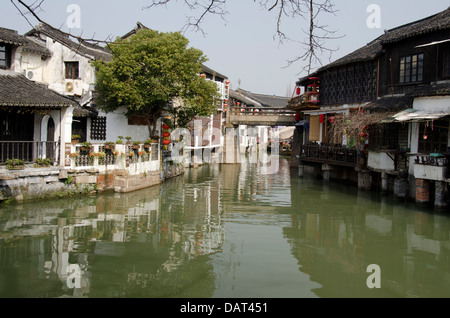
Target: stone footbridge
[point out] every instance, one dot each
(261, 116)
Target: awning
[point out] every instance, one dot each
(302, 124)
(412, 114)
(433, 43)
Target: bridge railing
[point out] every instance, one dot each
(261, 111)
(330, 154)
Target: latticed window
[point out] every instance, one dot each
(384, 137)
(349, 84)
(98, 128)
(4, 56)
(433, 136)
(411, 68)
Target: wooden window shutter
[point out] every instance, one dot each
(314, 128)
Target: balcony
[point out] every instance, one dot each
(432, 166)
(329, 154)
(29, 151)
(303, 103)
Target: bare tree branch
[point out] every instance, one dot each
(304, 11)
(317, 36)
(35, 8)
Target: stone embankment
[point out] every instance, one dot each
(42, 183)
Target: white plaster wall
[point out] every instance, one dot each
(429, 172)
(54, 71)
(117, 125)
(435, 104)
(380, 161)
(29, 64)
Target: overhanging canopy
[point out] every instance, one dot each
(412, 114)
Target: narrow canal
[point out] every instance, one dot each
(225, 231)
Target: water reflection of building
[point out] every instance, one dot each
(335, 239)
(249, 182)
(136, 237)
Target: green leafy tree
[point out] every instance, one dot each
(151, 72)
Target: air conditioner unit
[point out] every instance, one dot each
(73, 87)
(70, 87)
(28, 74)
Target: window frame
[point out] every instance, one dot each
(446, 62)
(411, 68)
(5, 63)
(437, 136)
(72, 70)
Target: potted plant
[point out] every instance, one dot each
(110, 145)
(136, 145)
(39, 163)
(120, 140)
(86, 146)
(148, 143)
(15, 164)
(76, 139)
(128, 138)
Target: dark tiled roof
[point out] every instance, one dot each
(28, 44)
(437, 22)
(265, 100)
(372, 50)
(11, 37)
(91, 51)
(17, 91)
(212, 72)
(36, 46)
(442, 89)
(366, 53)
(391, 103)
(139, 26)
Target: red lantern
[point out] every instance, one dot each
(165, 126)
(299, 90)
(166, 142)
(322, 118)
(165, 134)
(297, 117)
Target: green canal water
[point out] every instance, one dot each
(228, 231)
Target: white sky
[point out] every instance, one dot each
(243, 46)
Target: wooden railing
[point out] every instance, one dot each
(336, 155)
(29, 151)
(431, 160)
(261, 111)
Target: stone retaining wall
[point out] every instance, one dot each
(41, 183)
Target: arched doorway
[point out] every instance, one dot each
(50, 147)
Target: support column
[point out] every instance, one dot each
(384, 182)
(326, 172)
(301, 168)
(422, 191)
(364, 180)
(440, 199)
(401, 186)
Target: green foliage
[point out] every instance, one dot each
(14, 162)
(42, 162)
(151, 72)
